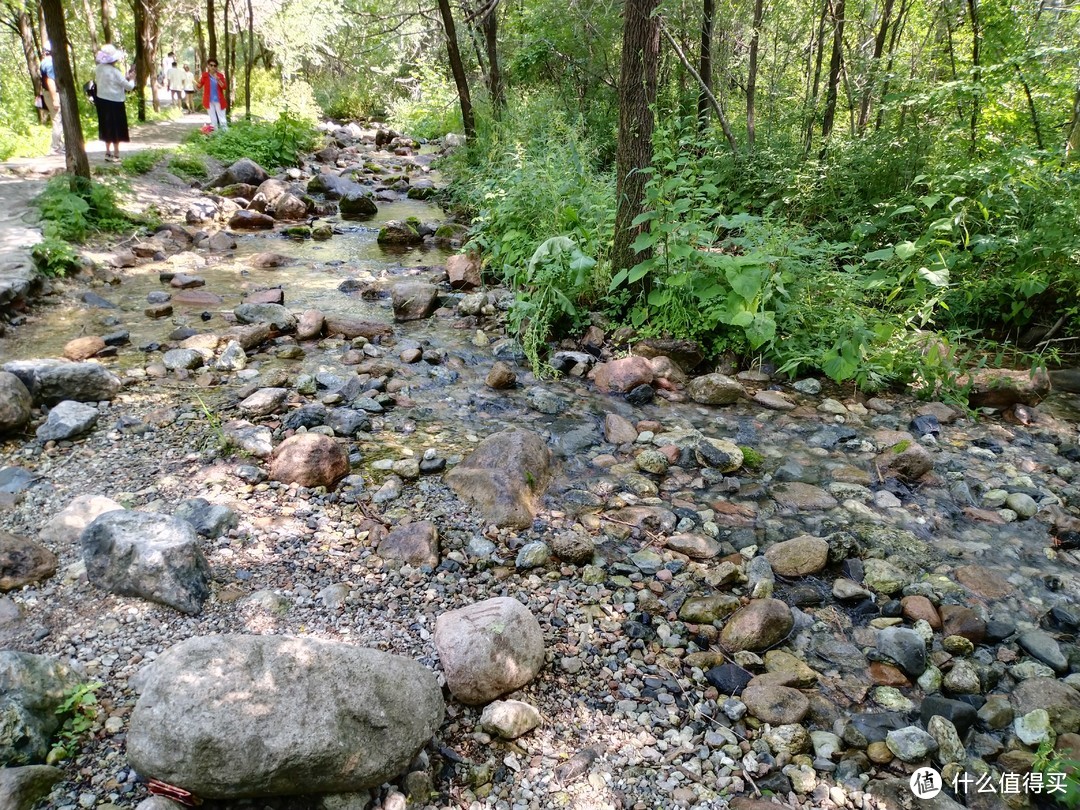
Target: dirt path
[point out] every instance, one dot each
(21, 180)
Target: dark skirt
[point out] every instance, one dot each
(112, 121)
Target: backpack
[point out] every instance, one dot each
(91, 91)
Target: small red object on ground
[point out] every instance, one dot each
(173, 792)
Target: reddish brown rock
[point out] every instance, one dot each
(463, 271)
(268, 261)
(310, 325)
(919, 607)
(197, 298)
(271, 296)
(350, 328)
(623, 375)
(23, 561)
(413, 543)
(251, 220)
(758, 626)
(983, 582)
(501, 377)
(887, 675)
(1003, 388)
(309, 459)
(83, 348)
(962, 621)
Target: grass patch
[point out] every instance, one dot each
(188, 166)
(142, 162)
(752, 459)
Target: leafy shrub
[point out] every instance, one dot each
(73, 215)
(432, 109)
(54, 258)
(79, 711)
(188, 166)
(142, 162)
(270, 144)
(349, 98)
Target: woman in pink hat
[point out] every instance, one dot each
(111, 88)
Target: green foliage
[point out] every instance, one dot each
(432, 109)
(349, 99)
(142, 162)
(188, 166)
(542, 215)
(74, 215)
(54, 258)
(270, 144)
(752, 459)
(79, 711)
(1049, 761)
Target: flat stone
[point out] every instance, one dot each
(798, 557)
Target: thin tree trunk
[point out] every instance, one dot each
(1072, 142)
(91, 25)
(144, 68)
(633, 154)
(29, 48)
(1031, 107)
(200, 42)
(973, 13)
(106, 20)
(751, 79)
(879, 49)
(709, 96)
(491, 45)
(834, 72)
(74, 150)
(894, 41)
(811, 118)
(705, 63)
(249, 57)
(458, 69)
(211, 30)
(225, 62)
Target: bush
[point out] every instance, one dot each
(142, 162)
(188, 166)
(349, 99)
(270, 144)
(54, 258)
(73, 215)
(432, 110)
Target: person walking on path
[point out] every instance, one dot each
(174, 80)
(214, 99)
(52, 101)
(189, 89)
(112, 87)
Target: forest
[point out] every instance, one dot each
(884, 191)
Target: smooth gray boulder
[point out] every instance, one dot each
(237, 716)
(489, 649)
(245, 171)
(414, 300)
(67, 420)
(52, 381)
(32, 687)
(274, 314)
(154, 557)
(504, 477)
(22, 788)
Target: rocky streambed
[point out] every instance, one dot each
(687, 588)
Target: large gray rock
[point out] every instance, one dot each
(758, 626)
(150, 556)
(274, 314)
(1060, 700)
(52, 381)
(15, 403)
(488, 649)
(357, 204)
(32, 687)
(67, 420)
(504, 477)
(240, 716)
(22, 788)
(289, 207)
(414, 300)
(244, 170)
(715, 389)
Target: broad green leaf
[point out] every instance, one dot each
(905, 250)
(882, 255)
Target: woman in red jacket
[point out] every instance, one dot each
(215, 95)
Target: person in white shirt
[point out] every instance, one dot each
(189, 88)
(174, 80)
(111, 88)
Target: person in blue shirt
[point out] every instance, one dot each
(52, 100)
(215, 95)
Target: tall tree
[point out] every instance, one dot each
(836, 8)
(458, 69)
(106, 20)
(200, 41)
(708, 14)
(633, 151)
(812, 96)
(875, 60)
(211, 30)
(976, 35)
(74, 150)
(249, 57)
(491, 46)
(751, 80)
(144, 66)
(91, 25)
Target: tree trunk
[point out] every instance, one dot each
(29, 48)
(200, 43)
(458, 69)
(491, 46)
(751, 79)
(144, 68)
(225, 64)
(894, 40)
(837, 8)
(106, 20)
(75, 151)
(637, 94)
(879, 49)
(249, 57)
(1031, 107)
(91, 25)
(708, 15)
(211, 30)
(811, 117)
(1072, 142)
(705, 90)
(973, 13)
